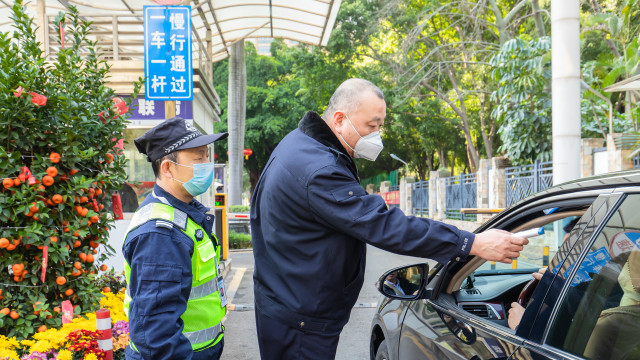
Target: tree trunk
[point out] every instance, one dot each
(537, 17)
(236, 118)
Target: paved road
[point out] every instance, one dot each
(240, 335)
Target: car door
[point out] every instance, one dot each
(441, 329)
(597, 311)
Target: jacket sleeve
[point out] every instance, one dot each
(339, 201)
(160, 283)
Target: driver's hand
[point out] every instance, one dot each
(515, 315)
(538, 275)
(498, 245)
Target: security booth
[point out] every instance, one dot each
(220, 226)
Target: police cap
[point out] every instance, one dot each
(172, 135)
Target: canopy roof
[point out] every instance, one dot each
(630, 84)
(226, 21)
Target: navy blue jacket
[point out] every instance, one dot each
(310, 223)
(160, 282)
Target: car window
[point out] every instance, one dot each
(599, 317)
(540, 250)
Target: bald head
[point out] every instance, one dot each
(350, 95)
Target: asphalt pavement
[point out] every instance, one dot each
(240, 327)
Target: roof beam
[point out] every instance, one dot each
(215, 19)
(271, 16)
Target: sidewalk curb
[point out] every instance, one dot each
(226, 267)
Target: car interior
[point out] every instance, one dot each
(487, 290)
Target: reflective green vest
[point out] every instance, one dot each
(203, 317)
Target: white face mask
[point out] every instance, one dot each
(628, 283)
(368, 147)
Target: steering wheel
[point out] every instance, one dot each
(527, 292)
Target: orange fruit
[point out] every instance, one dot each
(42, 328)
(94, 219)
(47, 180)
(52, 171)
(53, 239)
(36, 218)
(14, 315)
(77, 265)
(84, 212)
(98, 191)
(11, 247)
(106, 289)
(90, 258)
(109, 158)
(34, 207)
(61, 280)
(4, 242)
(76, 273)
(57, 198)
(95, 251)
(73, 172)
(17, 268)
(17, 242)
(104, 267)
(84, 199)
(7, 183)
(5, 311)
(69, 292)
(77, 243)
(16, 182)
(56, 309)
(82, 256)
(54, 157)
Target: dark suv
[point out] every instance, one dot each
(587, 304)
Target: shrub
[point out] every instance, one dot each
(239, 240)
(239, 208)
(58, 163)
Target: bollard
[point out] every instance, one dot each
(103, 326)
(514, 263)
(545, 256)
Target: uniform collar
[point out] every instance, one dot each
(194, 209)
(316, 128)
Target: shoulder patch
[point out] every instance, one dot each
(164, 224)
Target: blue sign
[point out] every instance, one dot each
(143, 109)
(167, 53)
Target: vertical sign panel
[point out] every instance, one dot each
(167, 53)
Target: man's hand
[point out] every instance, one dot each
(498, 245)
(515, 315)
(538, 275)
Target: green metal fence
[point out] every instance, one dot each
(376, 180)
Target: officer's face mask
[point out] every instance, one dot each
(201, 180)
(368, 147)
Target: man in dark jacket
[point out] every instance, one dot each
(311, 221)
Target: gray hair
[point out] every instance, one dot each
(349, 96)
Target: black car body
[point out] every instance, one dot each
(586, 306)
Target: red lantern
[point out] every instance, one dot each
(247, 153)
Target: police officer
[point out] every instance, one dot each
(311, 220)
(174, 287)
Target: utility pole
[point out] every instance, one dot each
(236, 119)
(565, 89)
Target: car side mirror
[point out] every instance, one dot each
(404, 283)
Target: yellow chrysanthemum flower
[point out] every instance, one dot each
(91, 357)
(64, 355)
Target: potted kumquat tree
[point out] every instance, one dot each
(60, 126)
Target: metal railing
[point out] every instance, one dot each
(461, 192)
(522, 181)
(120, 37)
(420, 198)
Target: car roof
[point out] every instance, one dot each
(603, 181)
